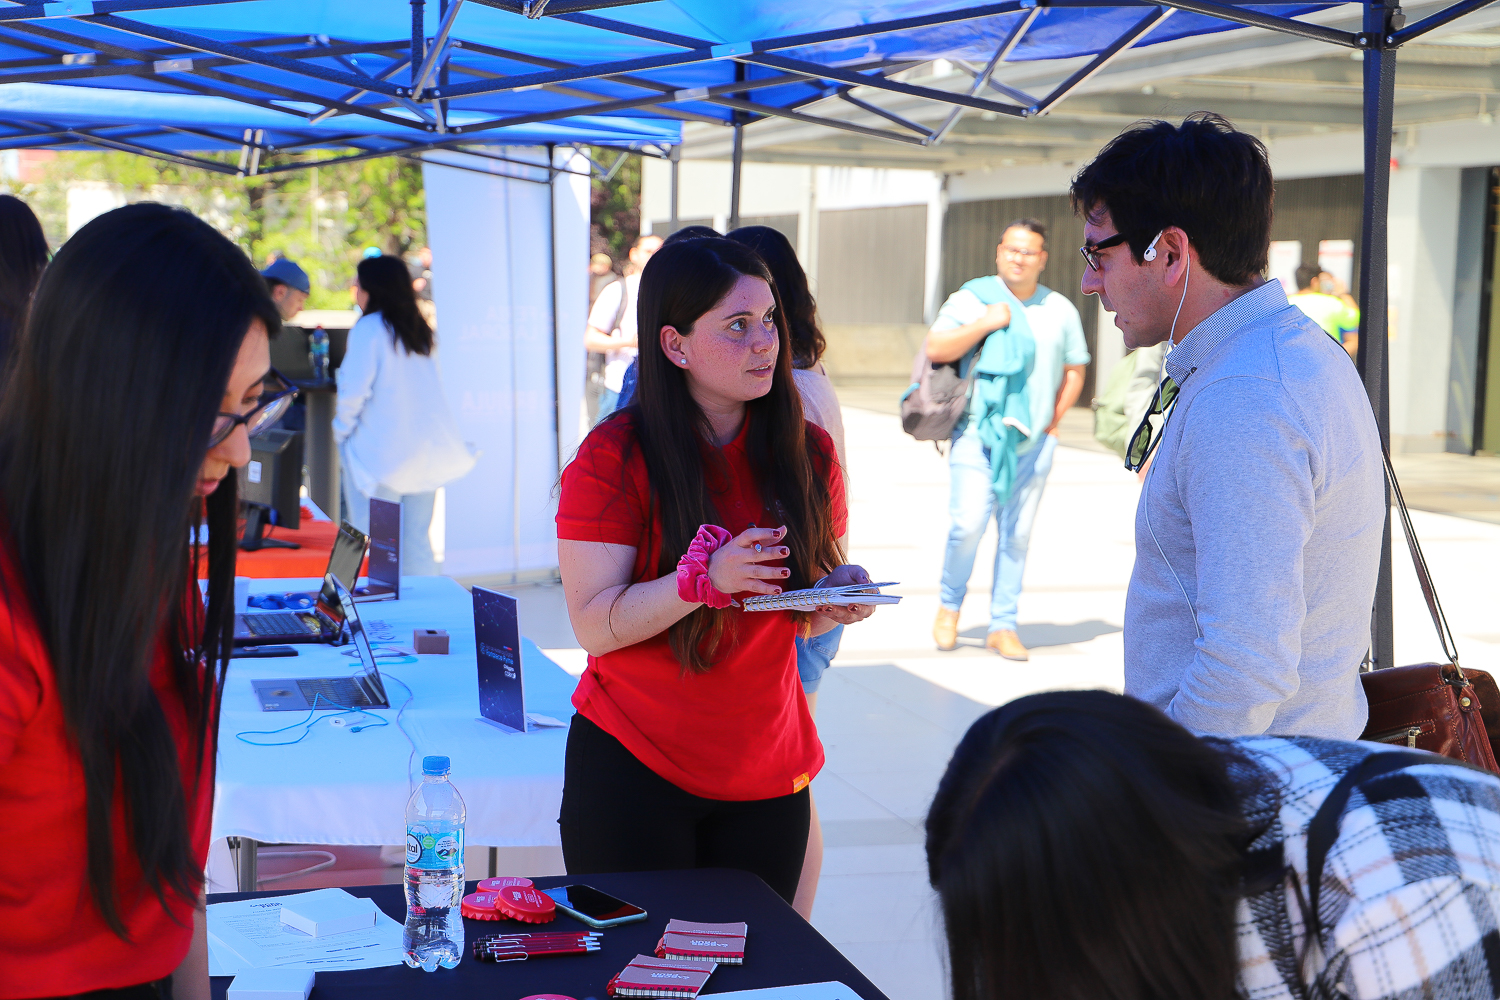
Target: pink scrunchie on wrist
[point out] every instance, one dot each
(693, 584)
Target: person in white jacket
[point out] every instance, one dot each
(396, 435)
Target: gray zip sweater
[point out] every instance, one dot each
(1258, 532)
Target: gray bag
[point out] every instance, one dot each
(936, 400)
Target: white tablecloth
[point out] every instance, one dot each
(342, 787)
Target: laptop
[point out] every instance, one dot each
(497, 638)
(384, 583)
(259, 628)
(362, 689)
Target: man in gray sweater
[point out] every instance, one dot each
(1259, 525)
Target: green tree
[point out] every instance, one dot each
(615, 206)
(322, 217)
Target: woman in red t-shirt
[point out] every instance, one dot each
(140, 370)
(693, 746)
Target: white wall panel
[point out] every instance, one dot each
(496, 291)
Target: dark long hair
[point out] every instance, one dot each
(104, 424)
(23, 255)
(680, 283)
(776, 250)
(388, 283)
(1086, 847)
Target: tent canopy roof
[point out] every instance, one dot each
(175, 76)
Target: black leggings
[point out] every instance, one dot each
(618, 815)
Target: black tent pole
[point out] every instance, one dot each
(1379, 104)
(737, 156)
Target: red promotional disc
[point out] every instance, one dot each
(526, 903)
(500, 882)
(481, 906)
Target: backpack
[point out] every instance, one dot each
(936, 399)
(938, 396)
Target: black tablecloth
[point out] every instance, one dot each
(782, 949)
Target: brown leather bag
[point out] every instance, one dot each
(1433, 706)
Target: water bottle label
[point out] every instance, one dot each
(435, 852)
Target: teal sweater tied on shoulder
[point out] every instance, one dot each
(1000, 406)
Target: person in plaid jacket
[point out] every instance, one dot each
(1084, 845)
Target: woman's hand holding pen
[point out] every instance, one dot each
(844, 576)
(736, 568)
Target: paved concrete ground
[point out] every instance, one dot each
(893, 707)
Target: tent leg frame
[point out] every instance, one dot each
(1373, 361)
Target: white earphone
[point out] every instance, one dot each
(1150, 253)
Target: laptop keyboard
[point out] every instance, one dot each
(277, 623)
(339, 691)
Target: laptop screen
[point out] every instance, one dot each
(369, 674)
(343, 565)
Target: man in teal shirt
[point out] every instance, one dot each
(1053, 386)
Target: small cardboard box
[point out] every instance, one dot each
(430, 640)
(272, 984)
(327, 911)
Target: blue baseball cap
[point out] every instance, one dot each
(287, 273)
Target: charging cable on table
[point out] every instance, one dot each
(307, 724)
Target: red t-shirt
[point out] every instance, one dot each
(741, 731)
(53, 940)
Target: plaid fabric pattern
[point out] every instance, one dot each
(1410, 895)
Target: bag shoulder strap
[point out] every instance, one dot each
(1419, 562)
(1324, 828)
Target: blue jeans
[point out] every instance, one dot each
(814, 654)
(417, 557)
(971, 501)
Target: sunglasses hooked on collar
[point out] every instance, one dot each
(1143, 442)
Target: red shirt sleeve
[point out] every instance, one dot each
(825, 462)
(604, 489)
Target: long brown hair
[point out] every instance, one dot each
(681, 283)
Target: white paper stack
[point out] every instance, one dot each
(250, 934)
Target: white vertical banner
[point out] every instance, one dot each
(490, 222)
(570, 262)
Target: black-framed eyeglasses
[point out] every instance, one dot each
(276, 395)
(1090, 251)
(1143, 442)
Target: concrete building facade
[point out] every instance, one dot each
(884, 246)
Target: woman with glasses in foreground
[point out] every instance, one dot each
(1087, 847)
(135, 382)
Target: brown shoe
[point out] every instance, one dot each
(945, 629)
(1007, 644)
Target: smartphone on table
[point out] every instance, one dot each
(593, 907)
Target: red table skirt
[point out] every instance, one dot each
(316, 539)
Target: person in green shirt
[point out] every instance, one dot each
(1328, 303)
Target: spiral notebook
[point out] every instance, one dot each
(806, 600)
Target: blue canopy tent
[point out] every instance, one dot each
(375, 77)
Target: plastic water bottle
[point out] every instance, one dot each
(434, 870)
(317, 350)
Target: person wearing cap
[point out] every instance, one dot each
(289, 286)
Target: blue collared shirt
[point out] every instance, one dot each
(1258, 531)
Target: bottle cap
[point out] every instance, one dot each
(480, 906)
(500, 882)
(525, 903)
(435, 764)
